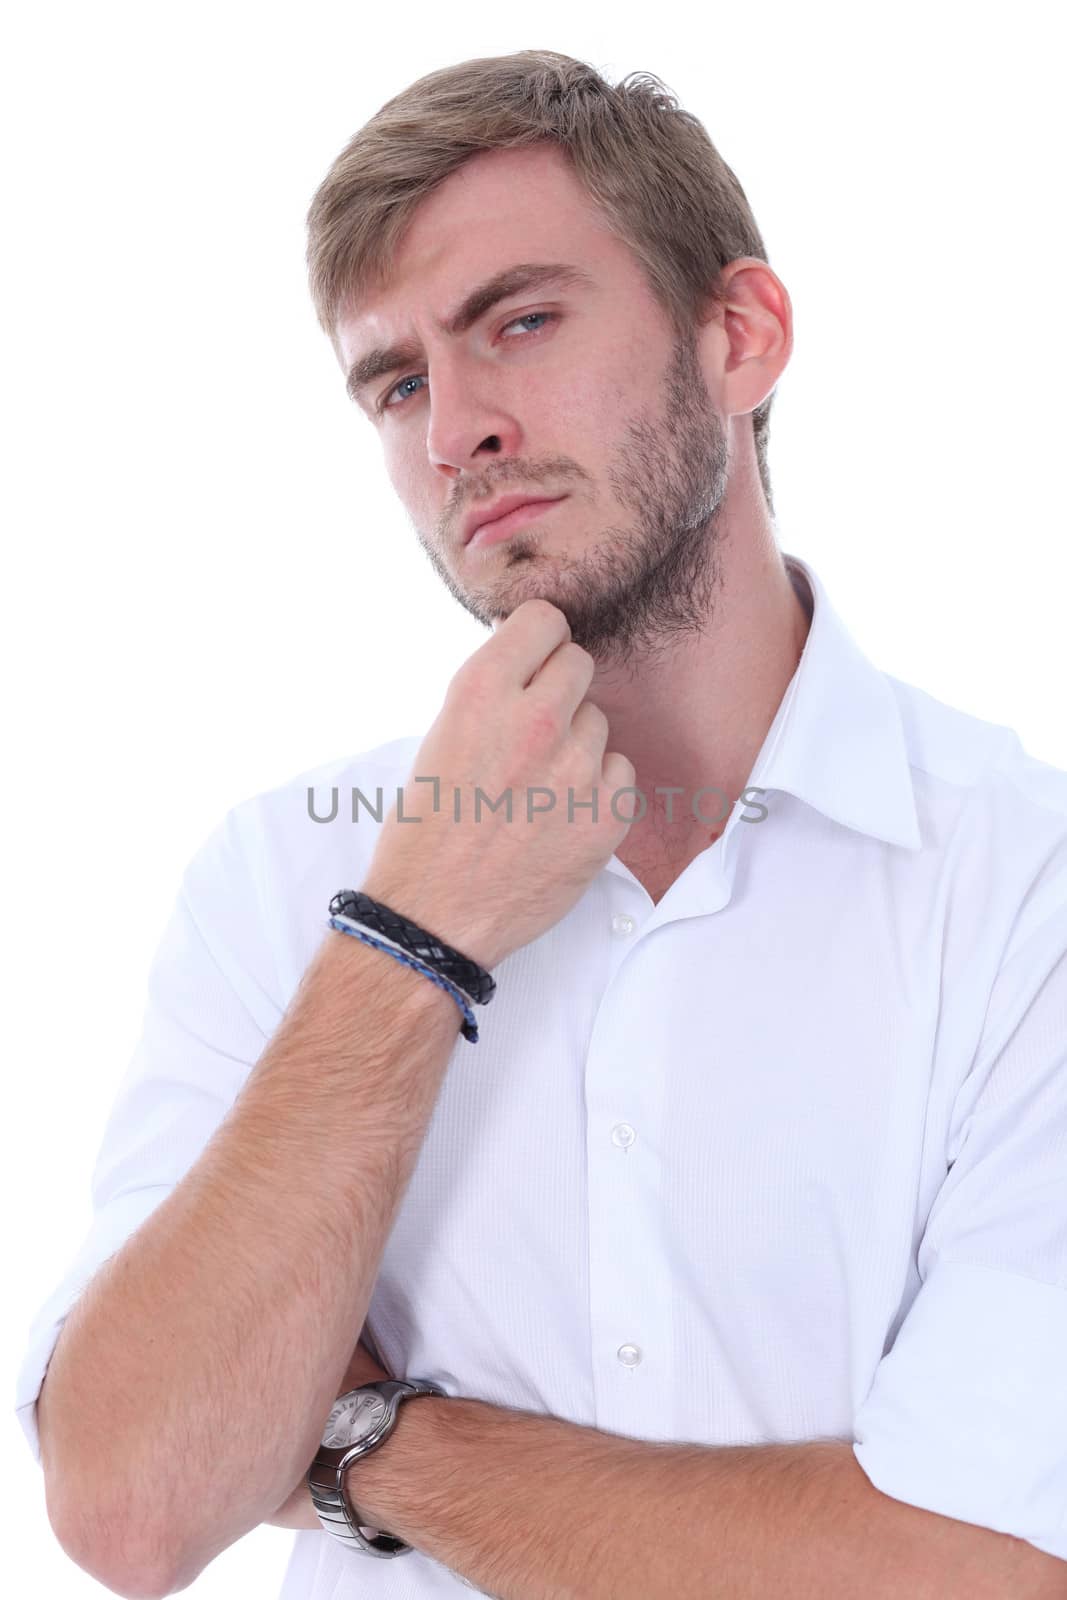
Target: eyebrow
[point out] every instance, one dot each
(523, 275)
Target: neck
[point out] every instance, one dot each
(695, 716)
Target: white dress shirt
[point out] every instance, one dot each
(781, 1157)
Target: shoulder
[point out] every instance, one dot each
(278, 837)
(956, 747)
(283, 811)
(995, 814)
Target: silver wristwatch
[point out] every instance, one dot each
(358, 1423)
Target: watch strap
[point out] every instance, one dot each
(325, 1478)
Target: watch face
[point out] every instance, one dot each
(354, 1417)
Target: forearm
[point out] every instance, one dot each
(297, 1512)
(192, 1381)
(532, 1508)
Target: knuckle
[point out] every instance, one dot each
(578, 654)
(592, 716)
(543, 611)
(543, 724)
(470, 681)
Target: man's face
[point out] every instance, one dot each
(580, 391)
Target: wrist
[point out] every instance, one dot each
(460, 930)
(382, 1485)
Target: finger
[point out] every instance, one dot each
(563, 680)
(620, 773)
(590, 727)
(524, 640)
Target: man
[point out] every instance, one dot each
(736, 1251)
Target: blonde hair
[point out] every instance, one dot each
(649, 168)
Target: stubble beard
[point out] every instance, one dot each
(645, 584)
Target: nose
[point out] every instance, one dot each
(467, 425)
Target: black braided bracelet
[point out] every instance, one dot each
(456, 969)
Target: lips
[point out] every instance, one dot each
(501, 528)
(480, 516)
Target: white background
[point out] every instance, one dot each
(208, 583)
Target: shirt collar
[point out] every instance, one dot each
(837, 741)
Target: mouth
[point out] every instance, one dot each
(501, 527)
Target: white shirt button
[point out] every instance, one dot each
(628, 1354)
(623, 1135)
(622, 923)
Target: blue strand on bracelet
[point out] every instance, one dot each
(347, 925)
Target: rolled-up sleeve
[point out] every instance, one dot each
(209, 1013)
(967, 1412)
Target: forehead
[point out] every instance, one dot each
(501, 207)
(537, 179)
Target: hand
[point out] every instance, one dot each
(514, 719)
(362, 1368)
(298, 1511)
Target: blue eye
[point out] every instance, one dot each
(383, 405)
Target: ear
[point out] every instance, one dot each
(756, 318)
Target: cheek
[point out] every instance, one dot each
(406, 469)
(586, 417)
(410, 487)
(601, 389)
